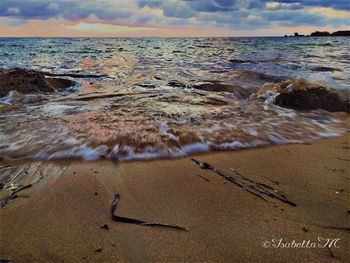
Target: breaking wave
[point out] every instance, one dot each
(155, 98)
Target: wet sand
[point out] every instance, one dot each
(59, 218)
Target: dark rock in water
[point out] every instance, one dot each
(239, 61)
(259, 76)
(303, 95)
(59, 84)
(30, 81)
(325, 69)
(313, 99)
(19, 97)
(252, 80)
(240, 92)
(175, 83)
(215, 101)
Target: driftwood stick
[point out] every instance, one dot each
(206, 179)
(257, 189)
(343, 159)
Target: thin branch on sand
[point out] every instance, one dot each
(254, 188)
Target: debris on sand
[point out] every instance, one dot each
(204, 178)
(13, 195)
(16, 178)
(257, 189)
(105, 226)
(343, 159)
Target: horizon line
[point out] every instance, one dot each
(163, 36)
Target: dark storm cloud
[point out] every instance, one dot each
(69, 9)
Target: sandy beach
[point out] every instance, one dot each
(174, 131)
(65, 215)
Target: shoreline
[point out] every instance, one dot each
(64, 160)
(61, 216)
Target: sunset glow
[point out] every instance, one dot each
(107, 18)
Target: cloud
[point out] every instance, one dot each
(105, 28)
(251, 14)
(336, 4)
(228, 14)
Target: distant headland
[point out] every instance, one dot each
(344, 33)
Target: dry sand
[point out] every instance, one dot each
(59, 218)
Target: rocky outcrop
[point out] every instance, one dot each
(30, 81)
(341, 33)
(302, 95)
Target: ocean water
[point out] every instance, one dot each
(159, 112)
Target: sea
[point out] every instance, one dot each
(143, 98)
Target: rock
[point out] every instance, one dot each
(252, 80)
(313, 99)
(105, 226)
(15, 95)
(302, 95)
(240, 92)
(239, 61)
(324, 69)
(175, 83)
(33, 98)
(59, 83)
(30, 81)
(19, 97)
(8, 108)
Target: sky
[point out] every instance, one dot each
(170, 18)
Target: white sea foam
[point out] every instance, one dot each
(162, 120)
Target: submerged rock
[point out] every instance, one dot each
(30, 81)
(302, 95)
(239, 92)
(18, 97)
(15, 95)
(8, 108)
(252, 80)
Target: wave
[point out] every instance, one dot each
(172, 123)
